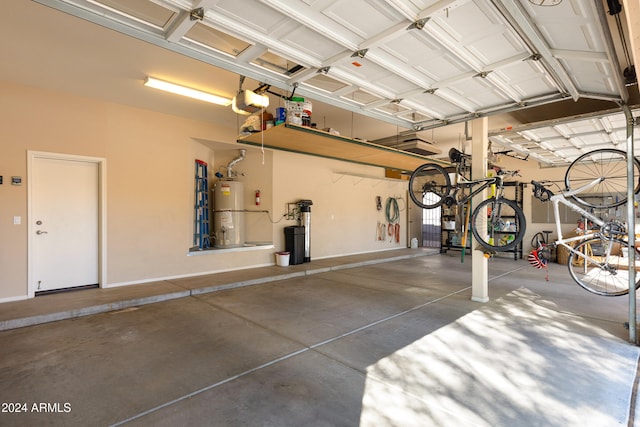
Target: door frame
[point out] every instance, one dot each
(32, 156)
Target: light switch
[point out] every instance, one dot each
(17, 220)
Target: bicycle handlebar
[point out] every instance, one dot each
(540, 192)
(509, 173)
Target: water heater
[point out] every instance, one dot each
(228, 213)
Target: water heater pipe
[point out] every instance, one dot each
(235, 161)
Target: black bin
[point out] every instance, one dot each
(294, 244)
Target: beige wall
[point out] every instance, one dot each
(43, 121)
(150, 182)
(150, 170)
(344, 214)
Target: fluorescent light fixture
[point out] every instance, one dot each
(186, 91)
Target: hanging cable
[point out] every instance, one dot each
(392, 211)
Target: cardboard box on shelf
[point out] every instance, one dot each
(332, 131)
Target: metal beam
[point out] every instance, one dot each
(631, 225)
(513, 12)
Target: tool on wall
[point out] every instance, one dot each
(380, 231)
(393, 230)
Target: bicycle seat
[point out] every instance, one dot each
(540, 192)
(456, 156)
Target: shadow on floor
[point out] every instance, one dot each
(397, 343)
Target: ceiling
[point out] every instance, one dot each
(395, 66)
(558, 142)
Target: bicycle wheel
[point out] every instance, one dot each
(607, 163)
(498, 224)
(428, 185)
(606, 277)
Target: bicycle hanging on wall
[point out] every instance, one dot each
(597, 181)
(498, 224)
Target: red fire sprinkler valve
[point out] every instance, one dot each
(257, 197)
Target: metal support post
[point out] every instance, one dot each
(479, 263)
(631, 225)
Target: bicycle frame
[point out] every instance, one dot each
(556, 199)
(463, 182)
(498, 224)
(598, 261)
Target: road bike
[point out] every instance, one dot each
(498, 224)
(598, 181)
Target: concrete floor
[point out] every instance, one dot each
(385, 339)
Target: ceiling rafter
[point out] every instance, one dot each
(522, 24)
(313, 21)
(476, 50)
(184, 22)
(256, 37)
(583, 133)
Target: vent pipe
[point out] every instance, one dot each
(235, 161)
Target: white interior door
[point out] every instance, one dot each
(64, 223)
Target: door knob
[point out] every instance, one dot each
(41, 232)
